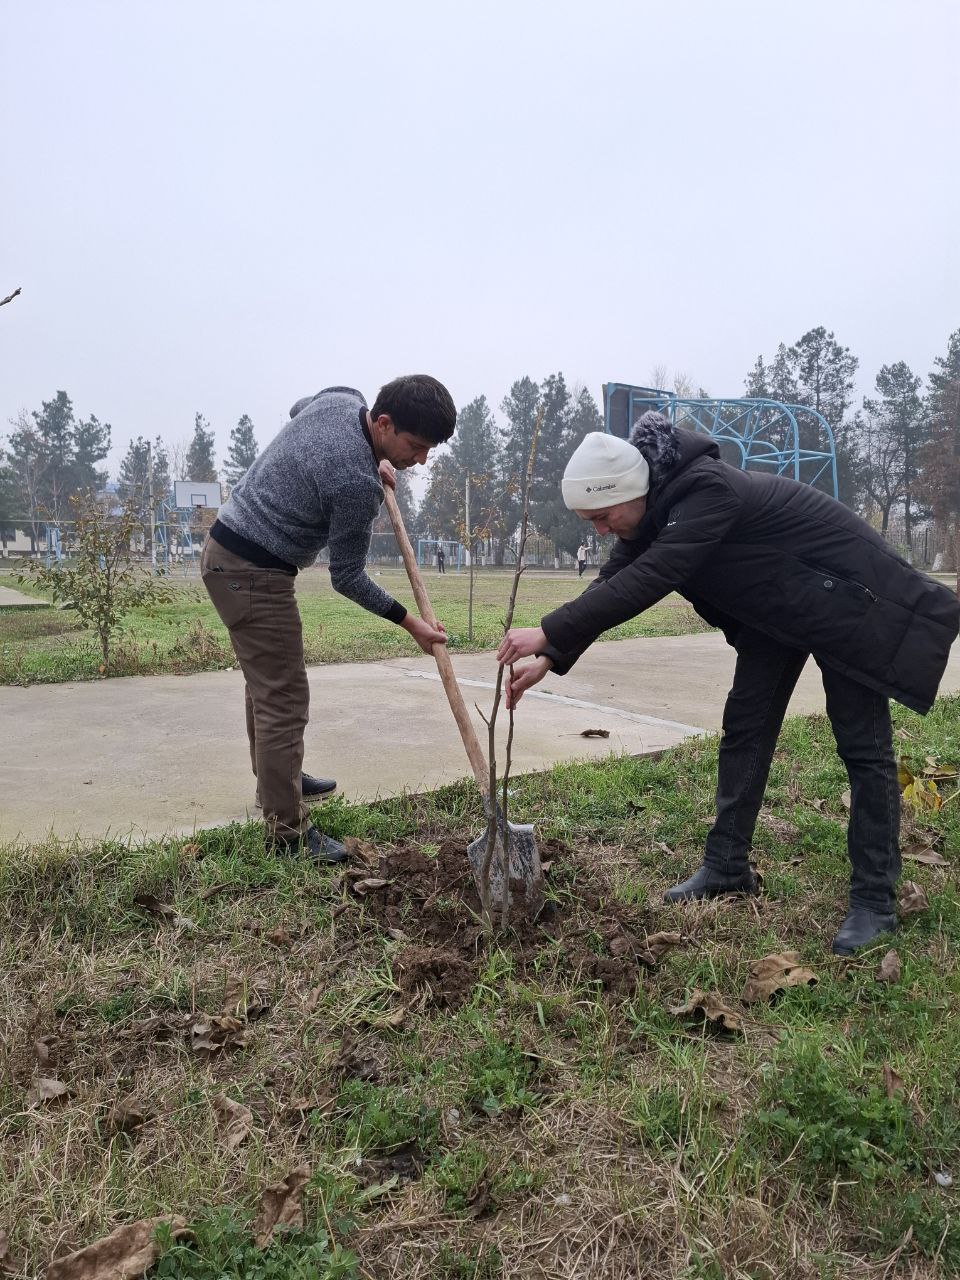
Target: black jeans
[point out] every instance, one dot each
(765, 677)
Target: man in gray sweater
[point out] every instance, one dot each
(318, 484)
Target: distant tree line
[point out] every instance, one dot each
(898, 451)
(52, 456)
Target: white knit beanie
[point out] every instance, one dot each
(603, 471)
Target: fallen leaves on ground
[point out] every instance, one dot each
(928, 857)
(366, 884)
(656, 945)
(300, 1108)
(279, 937)
(126, 1116)
(362, 851)
(245, 997)
(8, 1266)
(387, 1021)
(889, 968)
(281, 1206)
(775, 973)
(213, 1034)
(123, 1254)
(45, 1050)
(921, 790)
(236, 1120)
(710, 1004)
(47, 1089)
(912, 898)
(354, 1060)
(152, 905)
(892, 1083)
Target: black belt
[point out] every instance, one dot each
(248, 550)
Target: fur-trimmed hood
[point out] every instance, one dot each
(656, 438)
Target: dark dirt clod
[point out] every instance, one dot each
(438, 972)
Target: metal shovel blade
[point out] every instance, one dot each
(526, 876)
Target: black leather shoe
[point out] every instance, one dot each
(313, 844)
(315, 788)
(707, 883)
(860, 927)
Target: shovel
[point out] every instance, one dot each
(526, 877)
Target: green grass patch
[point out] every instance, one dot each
(43, 646)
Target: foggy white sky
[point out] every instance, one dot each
(224, 205)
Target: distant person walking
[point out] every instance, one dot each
(441, 558)
(319, 483)
(581, 559)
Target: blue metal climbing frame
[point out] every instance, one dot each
(754, 434)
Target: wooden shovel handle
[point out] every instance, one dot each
(444, 665)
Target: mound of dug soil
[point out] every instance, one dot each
(431, 904)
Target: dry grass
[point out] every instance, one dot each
(622, 1141)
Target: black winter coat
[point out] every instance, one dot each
(758, 550)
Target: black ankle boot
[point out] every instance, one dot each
(707, 883)
(313, 844)
(860, 927)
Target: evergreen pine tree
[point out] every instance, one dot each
(200, 460)
(243, 451)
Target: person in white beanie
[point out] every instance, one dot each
(785, 572)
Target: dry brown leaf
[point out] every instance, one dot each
(48, 1089)
(211, 1035)
(594, 733)
(281, 1206)
(279, 937)
(395, 1018)
(313, 998)
(236, 1120)
(245, 998)
(656, 945)
(846, 799)
(362, 851)
(126, 1116)
(365, 886)
(45, 1050)
(712, 1007)
(153, 906)
(775, 973)
(889, 968)
(928, 857)
(301, 1107)
(891, 1081)
(8, 1266)
(122, 1255)
(912, 898)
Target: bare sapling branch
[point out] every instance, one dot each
(10, 297)
(495, 818)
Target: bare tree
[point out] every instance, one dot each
(177, 451)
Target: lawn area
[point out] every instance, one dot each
(40, 646)
(184, 1023)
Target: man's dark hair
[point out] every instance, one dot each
(419, 405)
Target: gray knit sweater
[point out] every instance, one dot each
(316, 485)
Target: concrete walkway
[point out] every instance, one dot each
(10, 598)
(167, 754)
